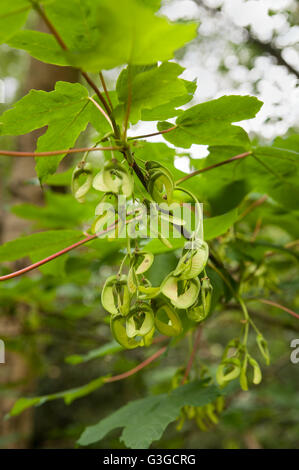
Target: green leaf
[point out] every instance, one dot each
(51, 241)
(130, 34)
(210, 123)
(145, 420)
(42, 46)
(255, 251)
(272, 172)
(216, 226)
(168, 110)
(68, 395)
(109, 348)
(60, 211)
(66, 113)
(102, 34)
(152, 89)
(12, 17)
(223, 187)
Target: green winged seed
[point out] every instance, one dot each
(172, 326)
(140, 321)
(115, 295)
(228, 370)
(132, 280)
(107, 297)
(118, 329)
(160, 184)
(148, 292)
(202, 308)
(102, 221)
(182, 294)
(193, 262)
(143, 261)
(263, 347)
(114, 178)
(80, 189)
(243, 374)
(257, 373)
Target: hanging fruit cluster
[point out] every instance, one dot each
(136, 307)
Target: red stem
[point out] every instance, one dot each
(192, 356)
(10, 153)
(137, 368)
(153, 134)
(62, 252)
(281, 307)
(46, 260)
(216, 165)
(106, 90)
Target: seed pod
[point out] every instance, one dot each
(192, 262)
(257, 373)
(118, 329)
(115, 295)
(143, 261)
(140, 321)
(167, 321)
(102, 221)
(210, 411)
(200, 419)
(132, 280)
(182, 293)
(148, 292)
(243, 374)
(80, 188)
(228, 370)
(203, 305)
(160, 182)
(263, 347)
(114, 178)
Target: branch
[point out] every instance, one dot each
(10, 153)
(192, 356)
(253, 206)
(62, 252)
(281, 307)
(129, 103)
(105, 90)
(97, 91)
(211, 167)
(137, 368)
(46, 260)
(153, 134)
(101, 111)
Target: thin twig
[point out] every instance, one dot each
(211, 167)
(192, 356)
(95, 88)
(253, 206)
(46, 260)
(281, 307)
(128, 109)
(153, 134)
(101, 111)
(65, 250)
(51, 27)
(106, 90)
(137, 368)
(10, 153)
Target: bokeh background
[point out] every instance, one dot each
(243, 47)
